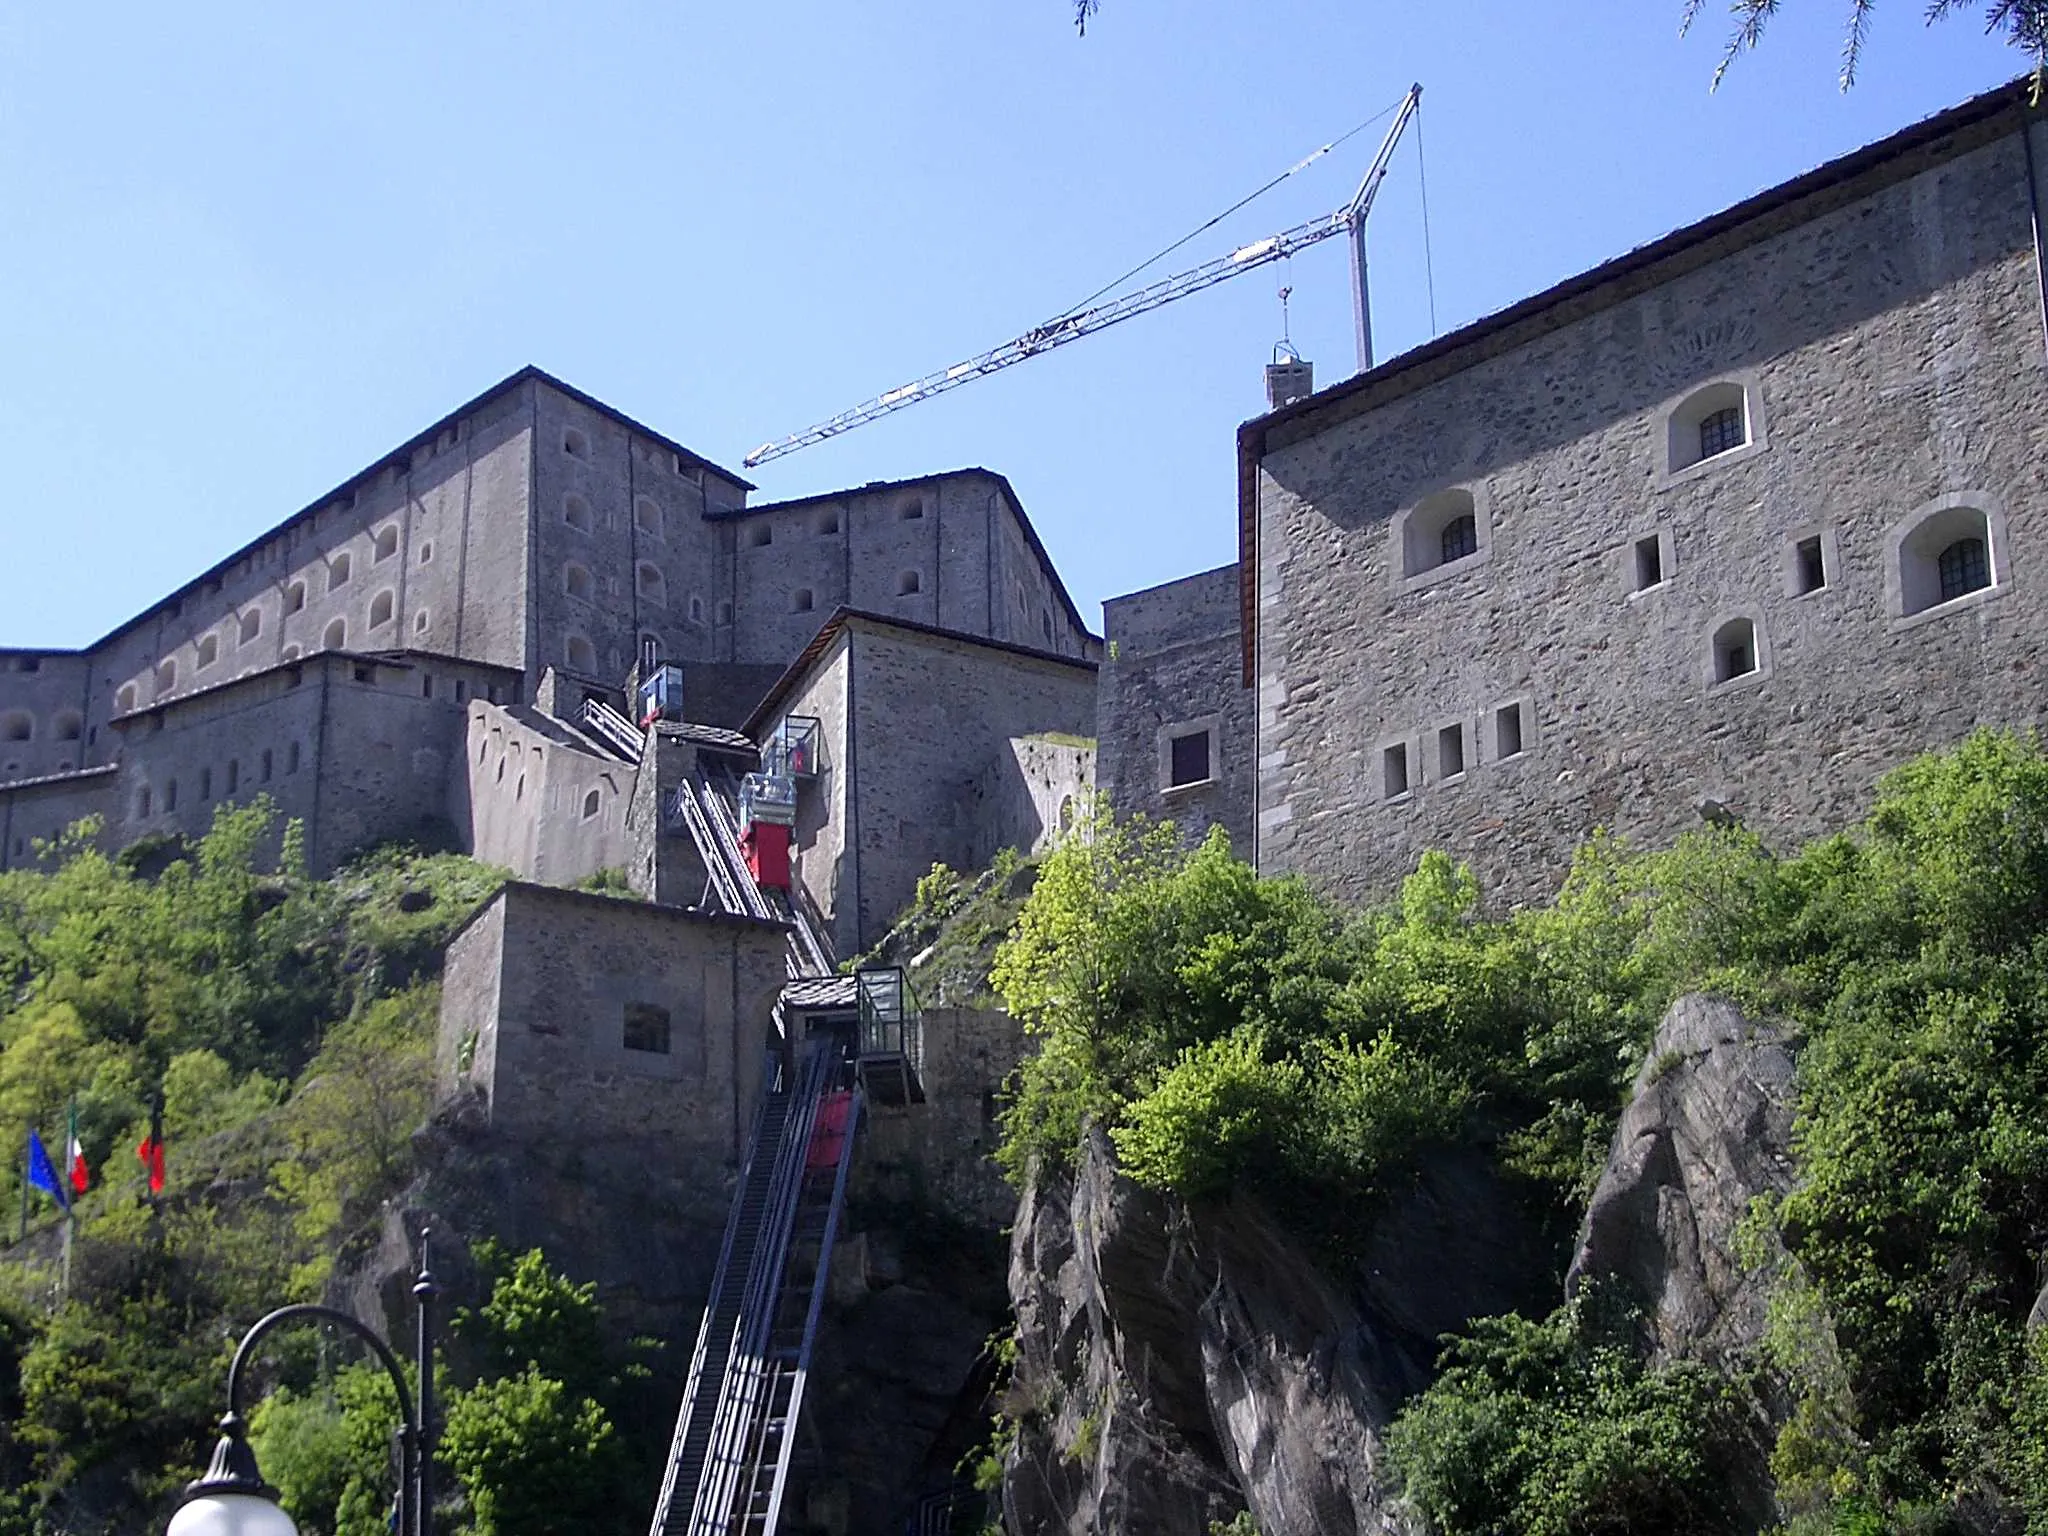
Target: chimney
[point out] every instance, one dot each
(1289, 379)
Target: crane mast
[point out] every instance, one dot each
(1076, 323)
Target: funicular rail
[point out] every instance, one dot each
(729, 1463)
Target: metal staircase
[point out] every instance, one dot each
(730, 1458)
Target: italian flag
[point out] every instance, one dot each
(74, 1157)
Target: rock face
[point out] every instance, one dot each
(1177, 1364)
(1708, 1128)
(916, 1296)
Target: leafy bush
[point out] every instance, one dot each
(1547, 1429)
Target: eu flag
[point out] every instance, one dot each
(42, 1173)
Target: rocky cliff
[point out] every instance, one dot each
(1179, 1364)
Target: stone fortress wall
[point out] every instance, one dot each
(917, 725)
(584, 1017)
(532, 535)
(1708, 492)
(1178, 734)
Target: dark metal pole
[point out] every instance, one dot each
(424, 1290)
(416, 1446)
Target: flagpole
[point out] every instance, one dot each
(74, 1158)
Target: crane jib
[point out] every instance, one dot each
(1350, 219)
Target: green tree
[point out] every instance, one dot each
(2024, 23)
(534, 1457)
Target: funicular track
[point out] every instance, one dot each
(729, 1461)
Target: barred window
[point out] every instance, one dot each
(1460, 538)
(647, 1028)
(1721, 431)
(1963, 567)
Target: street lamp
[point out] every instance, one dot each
(233, 1500)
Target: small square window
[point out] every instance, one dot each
(647, 1028)
(1507, 731)
(1811, 569)
(1394, 770)
(1450, 752)
(1188, 759)
(1649, 563)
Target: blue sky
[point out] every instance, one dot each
(245, 249)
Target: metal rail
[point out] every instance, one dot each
(614, 730)
(1075, 324)
(708, 1367)
(746, 1466)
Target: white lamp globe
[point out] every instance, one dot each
(230, 1514)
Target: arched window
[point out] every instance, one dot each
(289, 653)
(67, 725)
(590, 803)
(382, 607)
(295, 597)
(17, 725)
(170, 796)
(801, 600)
(291, 758)
(426, 555)
(647, 517)
(337, 571)
(209, 651)
(125, 699)
(575, 443)
(422, 622)
(1714, 420)
(581, 655)
(249, 626)
(651, 584)
(1945, 552)
(264, 765)
(336, 636)
(143, 808)
(166, 675)
(908, 583)
(1440, 531)
(576, 582)
(387, 542)
(696, 610)
(576, 513)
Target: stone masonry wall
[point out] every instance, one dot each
(819, 862)
(1173, 667)
(929, 716)
(44, 696)
(1891, 352)
(535, 994)
(940, 1151)
(1029, 793)
(527, 796)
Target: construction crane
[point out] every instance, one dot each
(1076, 323)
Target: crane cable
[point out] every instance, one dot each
(1301, 165)
(1428, 257)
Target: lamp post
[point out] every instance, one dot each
(233, 1500)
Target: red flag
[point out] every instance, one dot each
(152, 1149)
